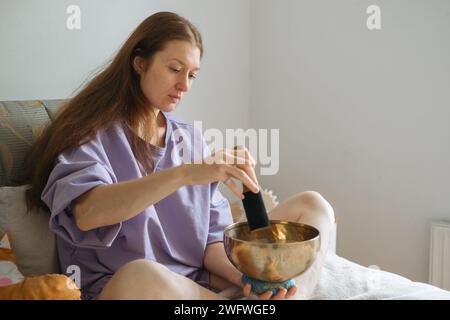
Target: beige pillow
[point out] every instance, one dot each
(2, 222)
(31, 238)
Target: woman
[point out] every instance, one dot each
(124, 208)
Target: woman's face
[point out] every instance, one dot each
(169, 75)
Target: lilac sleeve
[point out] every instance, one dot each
(75, 173)
(220, 215)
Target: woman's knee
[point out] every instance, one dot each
(145, 272)
(313, 200)
(134, 280)
(142, 266)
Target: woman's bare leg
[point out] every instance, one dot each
(149, 280)
(219, 283)
(310, 208)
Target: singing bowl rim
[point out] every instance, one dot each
(293, 243)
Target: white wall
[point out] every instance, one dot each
(363, 118)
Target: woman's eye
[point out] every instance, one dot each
(192, 76)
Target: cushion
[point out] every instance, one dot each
(2, 222)
(14, 286)
(20, 123)
(9, 274)
(33, 242)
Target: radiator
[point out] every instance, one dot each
(439, 274)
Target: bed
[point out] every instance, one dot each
(342, 279)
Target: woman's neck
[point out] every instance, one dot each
(158, 139)
(159, 136)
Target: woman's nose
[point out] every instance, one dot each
(183, 84)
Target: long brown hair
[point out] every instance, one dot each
(113, 94)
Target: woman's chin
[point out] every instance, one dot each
(168, 108)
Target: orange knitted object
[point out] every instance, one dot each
(45, 287)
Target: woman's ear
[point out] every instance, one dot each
(139, 65)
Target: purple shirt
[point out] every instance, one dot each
(174, 232)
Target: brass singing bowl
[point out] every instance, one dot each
(277, 253)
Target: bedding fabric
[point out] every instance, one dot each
(342, 279)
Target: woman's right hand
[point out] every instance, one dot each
(219, 168)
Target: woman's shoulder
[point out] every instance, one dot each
(104, 141)
(115, 132)
(181, 125)
(177, 122)
(118, 133)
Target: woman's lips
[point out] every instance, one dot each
(174, 99)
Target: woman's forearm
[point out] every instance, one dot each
(217, 262)
(110, 204)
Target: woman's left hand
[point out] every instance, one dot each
(281, 292)
(238, 157)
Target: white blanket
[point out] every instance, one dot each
(342, 279)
